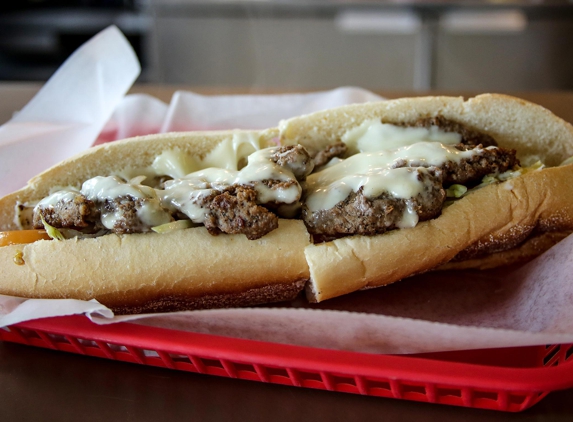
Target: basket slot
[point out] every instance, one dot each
(198, 364)
(294, 377)
(246, 371)
(76, 345)
(214, 367)
(24, 335)
(568, 352)
(59, 339)
(166, 359)
(278, 375)
(230, 368)
(530, 400)
(180, 358)
(485, 395)
(104, 347)
(311, 379)
(344, 384)
(551, 356)
(379, 388)
(516, 401)
(136, 354)
(414, 392)
(450, 395)
(49, 343)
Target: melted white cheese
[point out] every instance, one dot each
(374, 173)
(174, 163)
(232, 153)
(100, 189)
(66, 195)
(373, 135)
(186, 194)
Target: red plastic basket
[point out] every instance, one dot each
(510, 379)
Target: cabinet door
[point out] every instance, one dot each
(297, 53)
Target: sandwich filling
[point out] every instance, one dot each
(377, 177)
(225, 201)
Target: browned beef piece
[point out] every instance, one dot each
(337, 149)
(296, 159)
(126, 208)
(235, 211)
(360, 215)
(77, 214)
(469, 136)
(487, 161)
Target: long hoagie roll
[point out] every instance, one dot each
(500, 223)
(353, 198)
(143, 272)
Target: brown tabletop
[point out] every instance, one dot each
(38, 384)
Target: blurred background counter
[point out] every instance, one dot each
(314, 44)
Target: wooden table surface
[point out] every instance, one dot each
(44, 385)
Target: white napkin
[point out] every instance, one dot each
(68, 113)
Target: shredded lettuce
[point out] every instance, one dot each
(174, 225)
(456, 191)
(567, 161)
(507, 175)
(53, 232)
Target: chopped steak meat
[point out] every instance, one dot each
(78, 213)
(337, 149)
(277, 184)
(125, 210)
(235, 211)
(485, 161)
(469, 136)
(296, 159)
(358, 214)
(489, 161)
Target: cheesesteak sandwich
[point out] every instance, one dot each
(138, 221)
(350, 198)
(415, 184)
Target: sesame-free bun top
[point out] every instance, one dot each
(535, 132)
(115, 157)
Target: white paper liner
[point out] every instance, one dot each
(434, 312)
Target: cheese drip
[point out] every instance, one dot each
(101, 189)
(376, 172)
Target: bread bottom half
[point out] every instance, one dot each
(150, 272)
